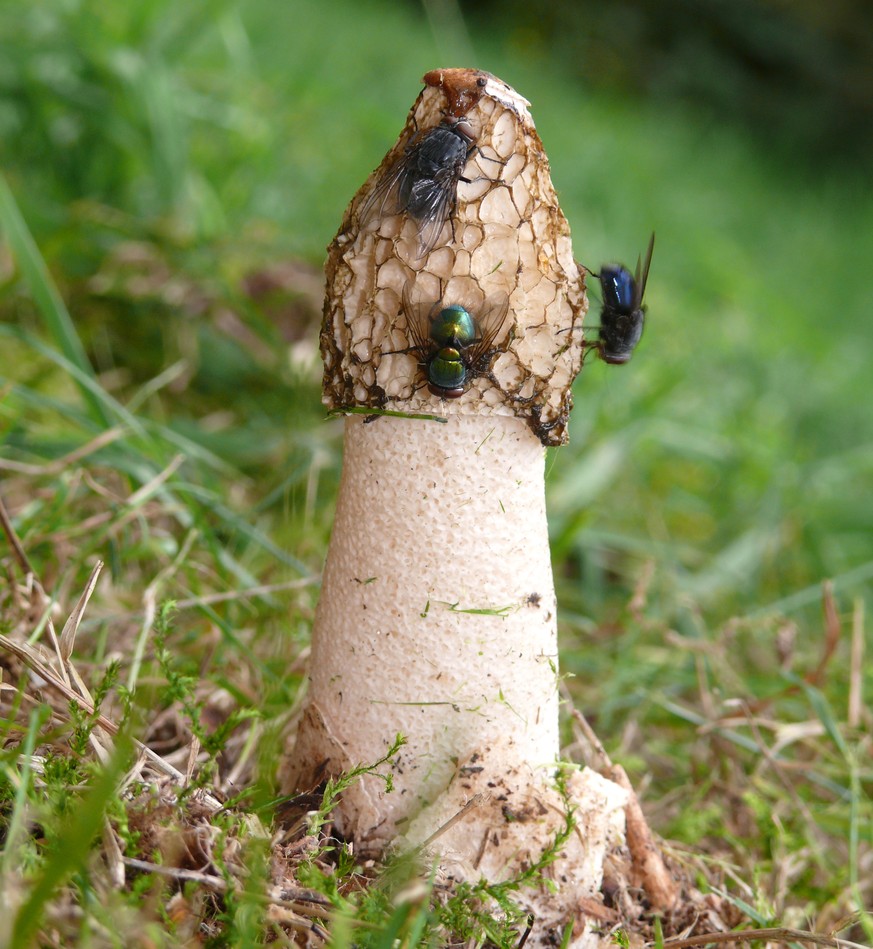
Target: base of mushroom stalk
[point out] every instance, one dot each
(565, 826)
(437, 621)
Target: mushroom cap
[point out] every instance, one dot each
(503, 233)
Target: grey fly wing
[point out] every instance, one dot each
(642, 277)
(385, 196)
(492, 321)
(439, 200)
(417, 320)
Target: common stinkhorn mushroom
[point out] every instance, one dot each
(437, 617)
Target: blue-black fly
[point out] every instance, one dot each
(622, 316)
(423, 182)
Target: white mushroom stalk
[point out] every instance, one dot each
(437, 618)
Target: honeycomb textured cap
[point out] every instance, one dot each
(507, 236)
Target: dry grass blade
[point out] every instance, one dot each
(113, 856)
(71, 627)
(141, 495)
(65, 461)
(279, 896)
(288, 917)
(150, 608)
(637, 604)
(14, 542)
(264, 589)
(149, 602)
(232, 780)
(212, 880)
(856, 667)
(474, 801)
(778, 934)
(289, 910)
(191, 765)
(832, 633)
(588, 738)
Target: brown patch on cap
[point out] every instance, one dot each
(462, 87)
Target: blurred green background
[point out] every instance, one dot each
(183, 166)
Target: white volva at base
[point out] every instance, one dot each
(437, 620)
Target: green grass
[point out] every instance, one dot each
(180, 170)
